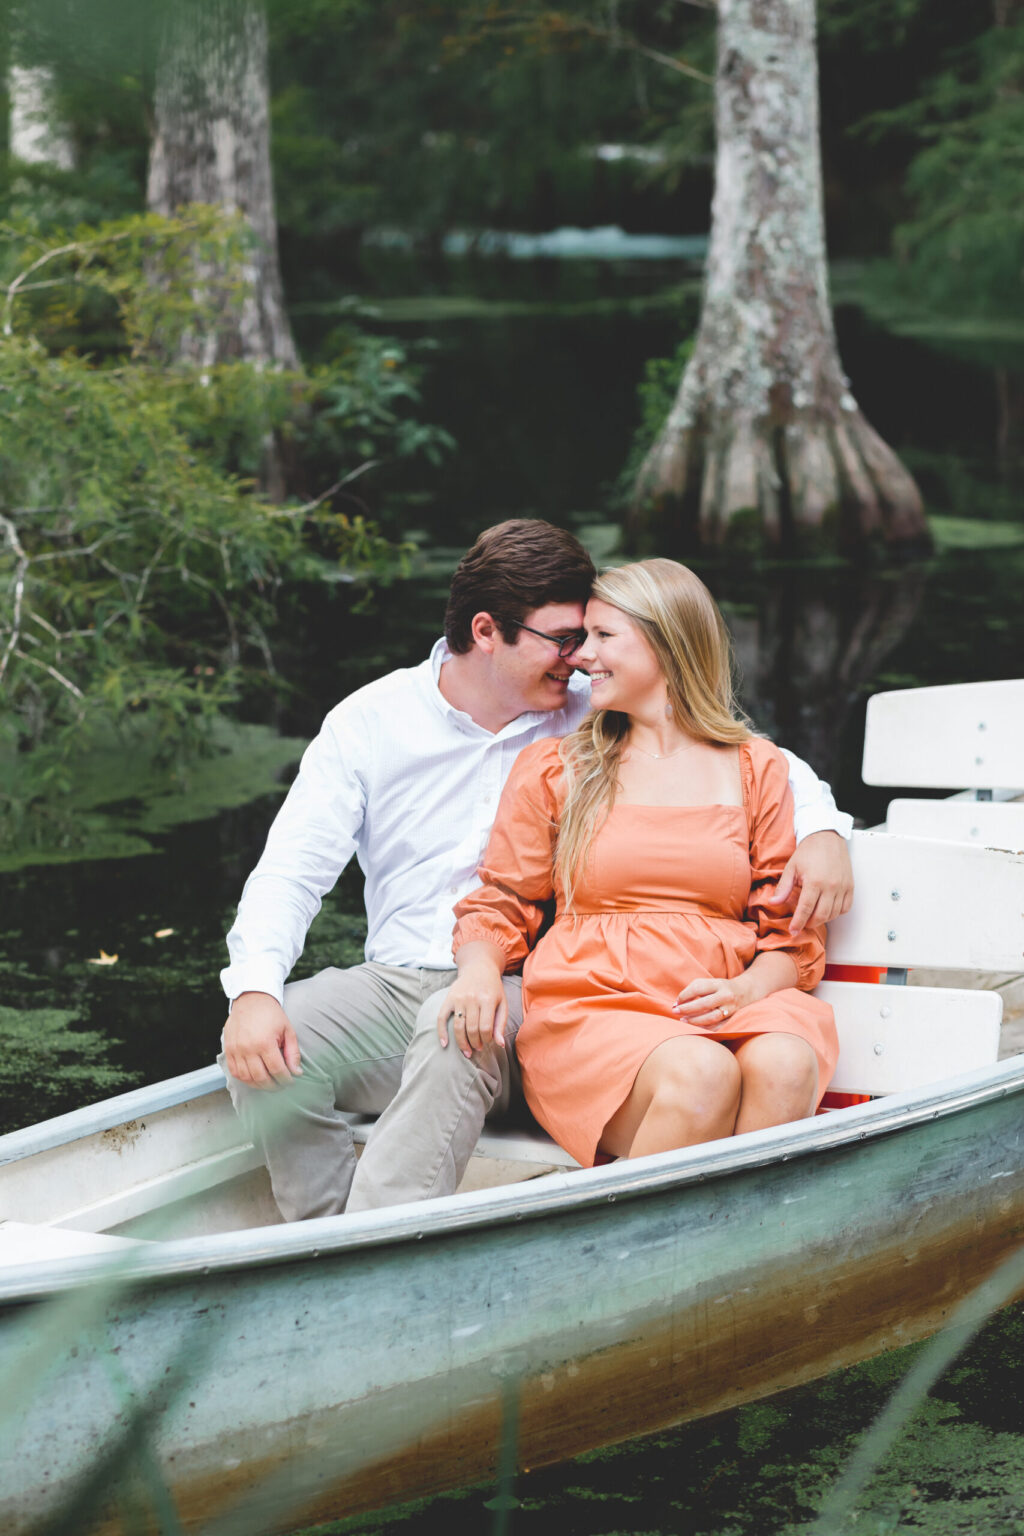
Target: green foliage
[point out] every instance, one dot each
(139, 564)
(363, 394)
(468, 113)
(656, 394)
(99, 56)
(871, 25)
(963, 250)
(657, 391)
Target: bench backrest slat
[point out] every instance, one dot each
(985, 823)
(920, 902)
(962, 736)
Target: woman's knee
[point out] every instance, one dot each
(783, 1064)
(701, 1077)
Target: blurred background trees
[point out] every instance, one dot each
(237, 367)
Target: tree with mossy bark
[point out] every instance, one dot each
(211, 145)
(765, 445)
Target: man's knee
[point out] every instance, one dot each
(427, 1016)
(312, 1004)
(444, 1068)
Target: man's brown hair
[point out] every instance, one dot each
(512, 568)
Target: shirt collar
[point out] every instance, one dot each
(432, 677)
(526, 722)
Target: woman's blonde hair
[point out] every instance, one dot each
(676, 614)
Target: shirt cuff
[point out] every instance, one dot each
(820, 818)
(258, 975)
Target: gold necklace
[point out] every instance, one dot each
(664, 756)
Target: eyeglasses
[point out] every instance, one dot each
(568, 645)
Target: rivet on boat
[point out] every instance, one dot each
(895, 895)
(879, 1048)
(892, 935)
(611, 1199)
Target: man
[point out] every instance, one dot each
(406, 773)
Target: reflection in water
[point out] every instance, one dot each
(808, 642)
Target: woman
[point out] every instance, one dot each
(667, 1005)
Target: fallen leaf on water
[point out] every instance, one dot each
(103, 959)
(162, 933)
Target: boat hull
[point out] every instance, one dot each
(319, 1371)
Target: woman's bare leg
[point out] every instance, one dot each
(780, 1081)
(686, 1092)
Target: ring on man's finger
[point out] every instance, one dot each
(458, 1014)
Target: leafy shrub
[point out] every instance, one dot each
(139, 560)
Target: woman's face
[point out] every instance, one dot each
(624, 671)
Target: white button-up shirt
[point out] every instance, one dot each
(410, 785)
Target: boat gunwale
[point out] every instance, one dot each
(504, 1205)
(61, 1130)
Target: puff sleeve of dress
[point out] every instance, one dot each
(772, 842)
(507, 909)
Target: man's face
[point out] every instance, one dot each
(528, 670)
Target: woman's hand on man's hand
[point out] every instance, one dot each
(474, 1009)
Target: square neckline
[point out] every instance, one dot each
(746, 774)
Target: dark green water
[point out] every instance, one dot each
(541, 400)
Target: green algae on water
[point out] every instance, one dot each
(122, 795)
(975, 533)
(47, 1066)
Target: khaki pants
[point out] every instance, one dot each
(368, 1042)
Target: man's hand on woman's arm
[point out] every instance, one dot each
(260, 1048)
(474, 1006)
(820, 869)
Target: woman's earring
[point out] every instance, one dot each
(668, 711)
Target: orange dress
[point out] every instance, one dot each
(668, 893)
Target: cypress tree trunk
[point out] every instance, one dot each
(212, 145)
(764, 424)
(35, 134)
